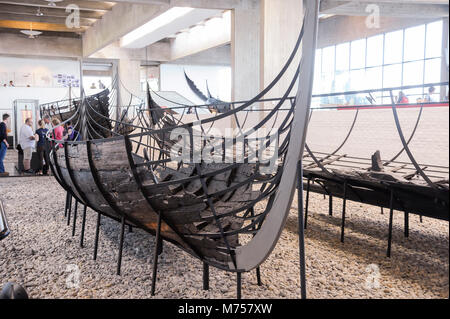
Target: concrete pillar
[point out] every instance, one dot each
(130, 79)
(245, 51)
(444, 60)
(280, 20)
(257, 54)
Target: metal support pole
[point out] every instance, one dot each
(238, 285)
(122, 234)
(155, 254)
(258, 270)
(74, 217)
(391, 217)
(258, 276)
(83, 226)
(70, 210)
(421, 219)
(343, 211)
(406, 224)
(382, 211)
(130, 228)
(205, 276)
(67, 204)
(307, 201)
(301, 230)
(97, 231)
(330, 205)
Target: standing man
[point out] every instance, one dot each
(3, 144)
(27, 142)
(47, 122)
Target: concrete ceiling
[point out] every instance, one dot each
(16, 15)
(23, 14)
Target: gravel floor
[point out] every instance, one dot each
(41, 254)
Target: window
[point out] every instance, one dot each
(434, 40)
(375, 51)
(358, 54)
(343, 57)
(393, 47)
(411, 56)
(414, 47)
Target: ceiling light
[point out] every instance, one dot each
(51, 3)
(156, 23)
(31, 33)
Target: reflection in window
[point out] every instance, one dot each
(393, 47)
(375, 51)
(414, 43)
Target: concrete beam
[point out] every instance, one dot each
(47, 11)
(138, 40)
(215, 33)
(411, 9)
(122, 19)
(215, 56)
(13, 45)
(157, 52)
(340, 29)
(82, 4)
(159, 2)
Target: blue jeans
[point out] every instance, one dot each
(2, 156)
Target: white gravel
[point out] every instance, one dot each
(40, 253)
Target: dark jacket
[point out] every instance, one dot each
(3, 133)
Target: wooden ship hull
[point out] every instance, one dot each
(116, 188)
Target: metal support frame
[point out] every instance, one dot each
(344, 203)
(66, 208)
(406, 224)
(83, 226)
(97, 233)
(122, 235)
(238, 285)
(74, 217)
(330, 205)
(155, 255)
(391, 217)
(69, 211)
(205, 276)
(307, 200)
(301, 230)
